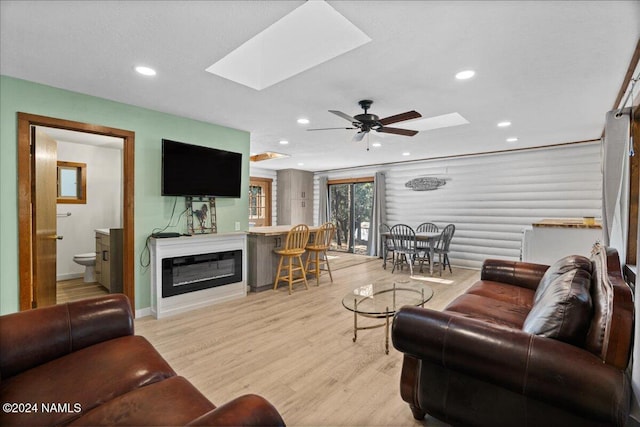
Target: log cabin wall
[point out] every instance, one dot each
(491, 198)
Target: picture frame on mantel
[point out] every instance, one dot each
(201, 215)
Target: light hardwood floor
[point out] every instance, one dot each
(75, 289)
(297, 350)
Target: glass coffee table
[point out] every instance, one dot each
(382, 300)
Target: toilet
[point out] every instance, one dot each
(89, 262)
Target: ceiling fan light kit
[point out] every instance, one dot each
(366, 122)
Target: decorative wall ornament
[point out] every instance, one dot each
(201, 215)
(426, 183)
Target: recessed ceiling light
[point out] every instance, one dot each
(513, 139)
(466, 74)
(146, 71)
(303, 121)
(376, 144)
(284, 142)
(406, 153)
(504, 124)
(300, 164)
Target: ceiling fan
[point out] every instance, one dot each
(367, 122)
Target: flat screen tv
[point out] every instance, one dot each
(194, 170)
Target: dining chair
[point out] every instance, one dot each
(297, 239)
(387, 244)
(404, 246)
(442, 247)
(317, 251)
(423, 247)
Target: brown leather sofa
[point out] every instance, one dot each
(81, 364)
(525, 345)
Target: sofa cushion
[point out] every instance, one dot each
(172, 402)
(488, 309)
(563, 309)
(503, 292)
(562, 266)
(86, 378)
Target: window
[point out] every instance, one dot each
(72, 182)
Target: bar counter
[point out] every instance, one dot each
(262, 261)
(567, 223)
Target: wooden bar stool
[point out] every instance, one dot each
(297, 239)
(317, 251)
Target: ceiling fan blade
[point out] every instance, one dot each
(330, 128)
(400, 117)
(397, 131)
(344, 116)
(359, 136)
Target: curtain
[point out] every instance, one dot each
(379, 214)
(323, 202)
(615, 148)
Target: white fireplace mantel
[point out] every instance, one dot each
(162, 248)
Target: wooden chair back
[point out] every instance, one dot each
(445, 238)
(427, 227)
(404, 238)
(297, 237)
(323, 236)
(388, 242)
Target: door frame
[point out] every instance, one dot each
(268, 183)
(25, 231)
(351, 182)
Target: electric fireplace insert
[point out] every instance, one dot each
(191, 273)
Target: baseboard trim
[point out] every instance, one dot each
(143, 312)
(68, 276)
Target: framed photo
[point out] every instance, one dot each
(201, 213)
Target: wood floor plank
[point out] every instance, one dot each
(76, 289)
(297, 350)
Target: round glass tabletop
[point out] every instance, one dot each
(383, 299)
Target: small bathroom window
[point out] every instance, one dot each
(72, 182)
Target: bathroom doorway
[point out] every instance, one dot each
(30, 261)
(88, 206)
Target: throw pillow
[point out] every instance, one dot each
(563, 311)
(562, 266)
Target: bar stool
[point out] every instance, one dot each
(317, 251)
(297, 239)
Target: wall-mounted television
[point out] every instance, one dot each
(194, 170)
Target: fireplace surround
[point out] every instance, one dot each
(196, 271)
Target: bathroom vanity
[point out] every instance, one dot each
(109, 245)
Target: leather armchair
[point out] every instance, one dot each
(85, 355)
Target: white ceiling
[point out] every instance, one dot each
(93, 139)
(553, 69)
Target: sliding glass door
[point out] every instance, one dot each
(350, 206)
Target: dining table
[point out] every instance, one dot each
(430, 237)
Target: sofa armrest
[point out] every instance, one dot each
(523, 274)
(541, 368)
(247, 410)
(33, 337)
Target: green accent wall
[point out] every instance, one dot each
(151, 210)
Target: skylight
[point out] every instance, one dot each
(437, 122)
(308, 36)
